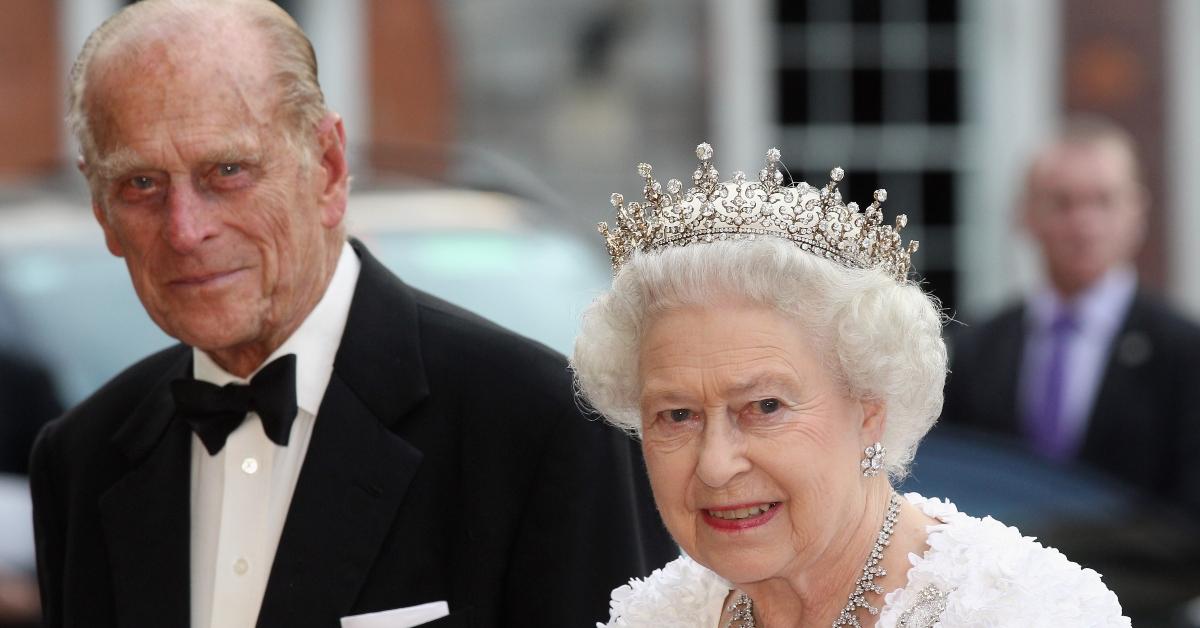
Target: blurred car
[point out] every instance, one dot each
(67, 301)
(1146, 550)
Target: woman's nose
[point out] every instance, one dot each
(722, 452)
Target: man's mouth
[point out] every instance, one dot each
(199, 279)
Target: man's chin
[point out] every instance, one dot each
(1077, 278)
(211, 338)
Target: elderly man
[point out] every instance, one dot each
(1087, 368)
(326, 441)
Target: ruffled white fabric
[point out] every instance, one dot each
(995, 578)
(682, 594)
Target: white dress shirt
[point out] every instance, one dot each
(1100, 311)
(240, 496)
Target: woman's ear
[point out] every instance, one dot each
(873, 419)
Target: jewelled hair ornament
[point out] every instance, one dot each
(814, 218)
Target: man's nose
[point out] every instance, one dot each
(190, 218)
(722, 451)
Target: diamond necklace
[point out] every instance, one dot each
(742, 609)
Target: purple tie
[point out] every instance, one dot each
(1044, 421)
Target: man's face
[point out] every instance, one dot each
(227, 233)
(1086, 211)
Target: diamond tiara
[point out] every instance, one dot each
(814, 218)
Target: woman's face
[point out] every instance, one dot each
(752, 446)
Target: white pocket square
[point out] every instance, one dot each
(398, 617)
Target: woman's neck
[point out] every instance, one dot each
(817, 595)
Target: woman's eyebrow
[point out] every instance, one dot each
(662, 393)
(787, 383)
(774, 381)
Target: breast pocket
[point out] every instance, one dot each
(410, 617)
(458, 619)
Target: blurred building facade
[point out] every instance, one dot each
(940, 101)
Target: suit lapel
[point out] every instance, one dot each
(354, 477)
(145, 516)
(1131, 349)
(356, 471)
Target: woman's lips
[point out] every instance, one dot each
(740, 517)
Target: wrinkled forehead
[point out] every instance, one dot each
(1098, 163)
(210, 78)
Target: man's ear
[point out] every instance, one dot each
(873, 420)
(110, 237)
(332, 170)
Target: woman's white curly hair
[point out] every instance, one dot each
(881, 339)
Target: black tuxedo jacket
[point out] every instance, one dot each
(449, 461)
(1146, 407)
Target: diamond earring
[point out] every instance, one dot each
(873, 461)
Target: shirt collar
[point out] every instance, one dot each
(1101, 306)
(315, 342)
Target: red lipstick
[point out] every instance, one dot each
(744, 523)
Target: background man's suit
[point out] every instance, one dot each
(448, 463)
(1143, 410)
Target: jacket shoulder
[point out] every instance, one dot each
(97, 418)
(1157, 316)
(479, 345)
(966, 341)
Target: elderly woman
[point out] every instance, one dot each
(766, 345)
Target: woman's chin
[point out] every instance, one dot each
(741, 567)
(739, 573)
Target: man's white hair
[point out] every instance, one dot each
(881, 339)
(300, 100)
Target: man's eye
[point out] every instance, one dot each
(679, 415)
(767, 406)
(228, 170)
(142, 183)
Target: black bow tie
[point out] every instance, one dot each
(215, 411)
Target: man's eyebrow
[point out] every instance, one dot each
(117, 162)
(125, 159)
(236, 152)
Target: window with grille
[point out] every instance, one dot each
(875, 86)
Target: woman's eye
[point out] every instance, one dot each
(767, 406)
(228, 170)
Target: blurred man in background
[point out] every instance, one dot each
(1087, 368)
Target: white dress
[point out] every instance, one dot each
(976, 573)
